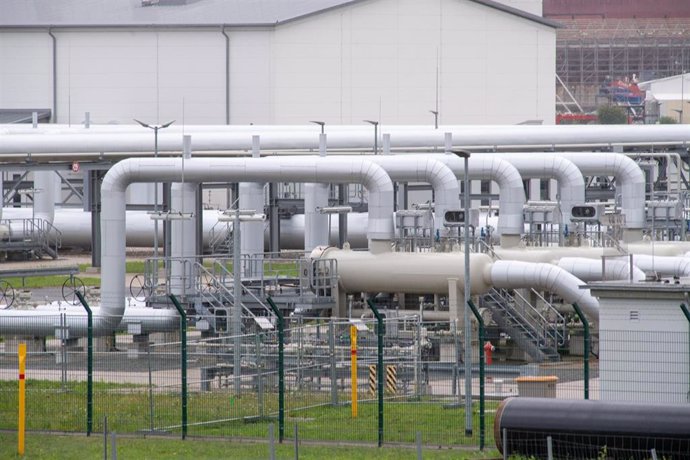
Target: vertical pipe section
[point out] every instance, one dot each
(482, 428)
(316, 228)
(183, 230)
(54, 40)
(380, 331)
(183, 358)
(252, 232)
(89, 362)
(281, 369)
(585, 325)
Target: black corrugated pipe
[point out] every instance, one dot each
(584, 429)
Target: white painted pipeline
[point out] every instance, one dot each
(513, 274)
(276, 169)
(425, 168)
(659, 248)
(251, 195)
(591, 269)
(552, 255)
(412, 273)
(663, 265)
(402, 137)
(571, 183)
(630, 182)
(43, 322)
(44, 195)
(430, 273)
(411, 136)
(512, 195)
(315, 199)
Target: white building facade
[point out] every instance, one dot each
(341, 62)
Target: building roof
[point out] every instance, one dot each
(181, 13)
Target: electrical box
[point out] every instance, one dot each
(587, 213)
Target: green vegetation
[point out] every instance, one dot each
(54, 407)
(52, 446)
(612, 115)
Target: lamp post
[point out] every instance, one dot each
(320, 123)
(435, 113)
(155, 129)
(376, 134)
(465, 155)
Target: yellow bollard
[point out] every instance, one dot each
(353, 372)
(22, 401)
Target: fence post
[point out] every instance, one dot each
(183, 338)
(379, 365)
(334, 370)
(281, 371)
(685, 311)
(89, 362)
(481, 372)
(585, 325)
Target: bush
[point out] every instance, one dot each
(612, 115)
(666, 120)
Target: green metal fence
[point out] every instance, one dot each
(142, 385)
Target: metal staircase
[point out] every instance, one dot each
(34, 237)
(539, 336)
(540, 331)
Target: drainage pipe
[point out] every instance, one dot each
(579, 429)
(311, 169)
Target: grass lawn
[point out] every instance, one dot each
(53, 446)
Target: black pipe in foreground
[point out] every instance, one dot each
(585, 429)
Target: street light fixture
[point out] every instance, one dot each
(155, 129)
(465, 155)
(320, 123)
(376, 134)
(435, 112)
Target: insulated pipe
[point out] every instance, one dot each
(571, 184)
(356, 137)
(428, 136)
(630, 184)
(512, 197)
(183, 230)
(591, 269)
(579, 429)
(251, 197)
(44, 195)
(316, 231)
(409, 273)
(425, 168)
(663, 265)
(511, 274)
(312, 169)
(42, 322)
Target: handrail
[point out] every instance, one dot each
(225, 271)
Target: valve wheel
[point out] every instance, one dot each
(70, 288)
(6, 295)
(139, 287)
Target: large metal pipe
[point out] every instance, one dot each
(571, 183)
(581, 429)
(316, 196)
(630, 184)
(428, 136)
(513, 274)
(593, 270)
(512, 197)
(311, 169)
(663, 265)
(354, 137)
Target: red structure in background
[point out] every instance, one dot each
(555, 9)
